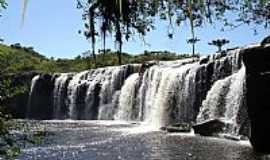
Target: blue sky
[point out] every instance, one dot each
(51, 27)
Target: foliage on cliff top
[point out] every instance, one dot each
(16, 58)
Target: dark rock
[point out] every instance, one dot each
(209, 128)
(163, 128)
(179, 127)
(257, 62)
(146, 65)
(17, 105)
(40, 104)
(266, 40)
(204, 60)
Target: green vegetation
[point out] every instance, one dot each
(8, 145)
(15, 58)
(125, 18)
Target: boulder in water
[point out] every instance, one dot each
(210, 127)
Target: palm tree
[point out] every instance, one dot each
(219, 43)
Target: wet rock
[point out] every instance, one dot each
(40, 105)
(209, 128)
(147, 65)
(204, 59)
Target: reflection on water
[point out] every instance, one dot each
(106, 140)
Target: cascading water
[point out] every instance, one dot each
(158, 94)
(162, 94)
(127, 109)
(225, 101)
(32, 89)
(60, 109)
(91, 94)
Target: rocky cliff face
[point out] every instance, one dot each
(17, 106)
(257, 62)
(41, 100)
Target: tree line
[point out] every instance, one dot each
(126, 18)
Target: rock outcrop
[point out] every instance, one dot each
(41, 102)
(17, 106)
(257, 62)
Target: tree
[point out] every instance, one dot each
(193, 41)
(219, 43)
(126, 18)
(121, 18)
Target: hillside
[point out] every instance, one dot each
(16, 58)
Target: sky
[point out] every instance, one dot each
(51, 27)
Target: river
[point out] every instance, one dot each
(112, 140)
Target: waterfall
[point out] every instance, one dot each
(112, 84)
(159, 100)
(127, 109)
(163, 93)
(73, 91)
(224, 102)
(32, 89)
(91, 94)
(59, 96)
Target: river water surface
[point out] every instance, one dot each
(110, 140)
